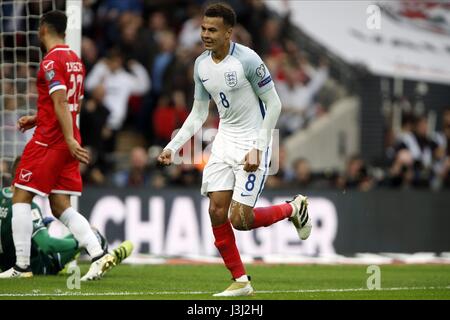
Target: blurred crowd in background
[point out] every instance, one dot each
(139, 56)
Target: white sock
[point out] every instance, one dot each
(22, 229)
(81, 230)
(294, 208)
(243, 278)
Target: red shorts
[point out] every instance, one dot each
(43, 170)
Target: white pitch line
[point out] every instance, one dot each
(155, 293)
(353, 290)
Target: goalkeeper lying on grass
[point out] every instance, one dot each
(49, 255)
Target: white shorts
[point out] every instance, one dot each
(219, 175)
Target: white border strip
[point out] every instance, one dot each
(42, 194)
(157, 293)
(41, 144)
(58, 87)
(72, 193)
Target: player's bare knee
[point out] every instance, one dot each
(218, 215)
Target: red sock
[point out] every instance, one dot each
(226, 244)
(267, 216)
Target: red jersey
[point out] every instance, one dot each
(61, 68)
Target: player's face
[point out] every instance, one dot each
(215, 34)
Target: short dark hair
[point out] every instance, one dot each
(56, 20)
(221, 10)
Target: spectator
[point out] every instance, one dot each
(119, 85)
(443, 140)
(167, 43)
(190, 32)
(302, 172)
(158, 24)
(356, 176)
(240, 35)
(162, 72)
(136, 42)
(401, 173)
(158, 179)
(184, 175)
(304, 177)
(423, 150)
(138, 174)
(407, 122)
(169, 116)
(271, 43)
(91, 173)
(89, 53)
(108, 16)
(296, 95)
(94, 131)
(88, 17)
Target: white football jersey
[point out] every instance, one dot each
(235, 84)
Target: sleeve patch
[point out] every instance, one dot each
(261, 71)
(48, 65)
(49, 75)
(265, 81)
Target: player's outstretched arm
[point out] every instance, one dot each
(64, 117)
(193, 123)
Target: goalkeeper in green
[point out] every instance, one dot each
(49, 255)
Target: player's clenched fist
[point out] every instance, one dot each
(26, 122)
(165, 158)
(252, 160)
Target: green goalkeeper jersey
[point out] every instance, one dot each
(7, 249)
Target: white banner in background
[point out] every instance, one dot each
(185, 234)
(359, 33)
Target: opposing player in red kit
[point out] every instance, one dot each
(50, 161)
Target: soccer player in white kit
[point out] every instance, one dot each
(236, 78)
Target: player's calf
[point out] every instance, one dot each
(244, 217)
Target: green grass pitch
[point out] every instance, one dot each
(284, 282)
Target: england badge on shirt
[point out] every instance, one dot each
(231, 78)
